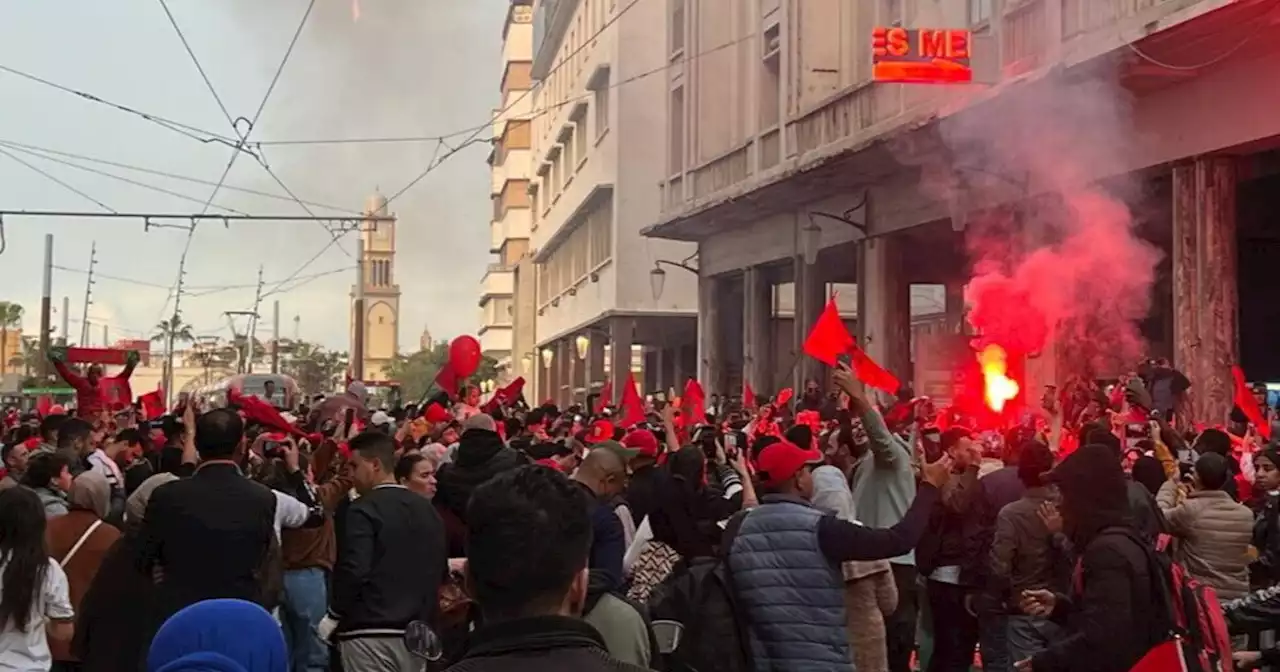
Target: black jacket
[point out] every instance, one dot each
(212, 536)
(539, 644)
(391, 561)
(481, 455)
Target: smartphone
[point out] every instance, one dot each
(845, 360)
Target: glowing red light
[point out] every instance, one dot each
(998, 387)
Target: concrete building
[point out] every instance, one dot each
(511, 164)
(381, 293)
(788, 164)
(595, 185)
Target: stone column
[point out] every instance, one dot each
(884, 305)
(595, 363)
(1204, 283)
(575, 367)
(810, 299)
(757, 317)
(621, 336)
(564, 372)
(710, 328)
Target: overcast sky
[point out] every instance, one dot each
(405, 68)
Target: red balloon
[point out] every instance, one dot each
(464, 355)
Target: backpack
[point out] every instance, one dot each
(699, 595)
(1198, 639)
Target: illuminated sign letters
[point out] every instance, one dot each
(920, 55)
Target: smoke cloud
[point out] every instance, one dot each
(1054, 254)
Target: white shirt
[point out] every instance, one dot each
(290, 512)
(28, 650)
(103, 464)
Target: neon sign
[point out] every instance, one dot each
(920, 56)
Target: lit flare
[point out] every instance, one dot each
(999, 388)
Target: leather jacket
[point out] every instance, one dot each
(1255, 612)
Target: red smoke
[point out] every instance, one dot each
(1054, 256)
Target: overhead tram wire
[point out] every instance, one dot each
(121, 178)
(196, 290)
(472, 138)
(227, 115)
(187, 130)
(240, 143)
(36, 150)
(57, 181)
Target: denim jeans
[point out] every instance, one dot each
(1029, 635)
(994, 643)
(306, 597)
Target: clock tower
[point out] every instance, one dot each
(381, 293)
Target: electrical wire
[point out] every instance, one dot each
(121, 178)
(199, 68)
(187, 130)
(57, 181)
(1259, 25)
(38, 151)
(275, 79)
(472, 138)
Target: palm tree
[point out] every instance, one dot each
(173, 330)
(10, 318)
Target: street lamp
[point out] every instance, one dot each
(658, 277)
(547, 355)
(812, 242)
(657, 281)
(582, 343)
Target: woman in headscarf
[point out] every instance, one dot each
(112, 614)
(686, 525)
(223, 635)
(79, 540)
(870, 593)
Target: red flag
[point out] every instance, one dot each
(748, 396)
(1249, 406)
(870, 373)
(605, 398)
(632, 404)
(828, 339)
(263, 413)
(697, 401)
(152, 404)
(784, 395)
(44, 404)
(116, 393)
(504, 396)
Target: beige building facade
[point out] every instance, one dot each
(597, 167)
(510, 163)
(787, 164)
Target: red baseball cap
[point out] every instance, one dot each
(642, 440)
(600, 430)
(780, 461)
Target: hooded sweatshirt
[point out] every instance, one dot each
(1110, 620)
(884, 481)
(481, 456)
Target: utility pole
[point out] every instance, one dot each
(275, 337)
(46, 306)
(297, 328)
(106, 342)
(253, 322)
(66, 320)
(88, 295)
(240, 354)
(357, 355)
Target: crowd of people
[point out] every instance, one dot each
(828, 532)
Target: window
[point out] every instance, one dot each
(588, 245)
(567, 138)
(676, 151)
(979, 12)
(602, 107)
(770, 79)
(677, 27)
